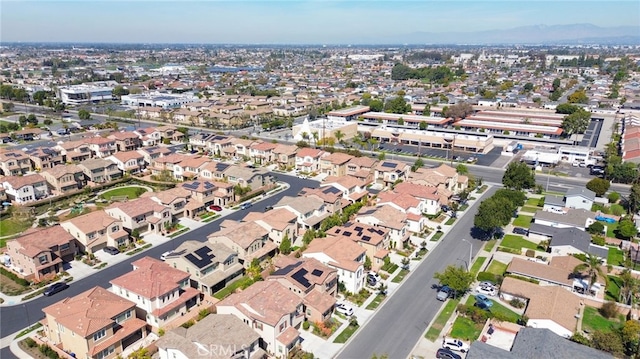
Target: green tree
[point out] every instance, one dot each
(599, 186)
(528, 87)
(580, 96)
(494, 213)
(566, 108)
(381, 156)
(460, 110)
(456, 278)
(285, 245)
(603, 340)
(518, 176)
(419, 163)
(628, 288)
(32, 119)
(339, 135)
(397, 105)
(596, 228)
(627, 228)
(7, 106)
(84, 114)
(376, 105)
(120, 91)
(613, 197)
(22, 120)
(633, 200)
(423, 125)
(630, 334)
(47, 122)
(255, 270)
(39, 97)
(462, 169)
(592, 267)
(367, 263)
(577, 122)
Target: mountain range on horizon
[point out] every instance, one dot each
(528, 35)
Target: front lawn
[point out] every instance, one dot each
(612, 292)
(130, 192)
(529, 209)
(359, 298)
(12, 226)
(434, 331)
(241, 283)
(464, 328)
(535, 202)
(475, 268)
(375, 302)
(615, 257)
(497, 268)
(517, 242)
(400, 276)
(490, 244)
(592, 321)
(450, 221)
(522, 221)
(437, 236)
(345, 334)
(498, 310)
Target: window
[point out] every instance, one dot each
(43, 259)
(105, 353)
(99, 334)
(115, 229)
(60, 328)
(124, 316)
(64, 247)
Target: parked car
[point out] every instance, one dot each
(443, 353)
(488, 291)
(372, 282)
(522, 231)
(111, 250)
(483, 302)
(375, 276)
(486, 283)
(471, 159)
(268, 208)
(215, 208)
(246, 205)
(455, 344)
(344, 309)
(163, 256)
(55, 288)
(443, 293)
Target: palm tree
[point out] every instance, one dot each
(315, 138)
(339, 135)
(373, 142)
(628, 288)
(593, 267)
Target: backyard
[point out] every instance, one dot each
(10, 226)
(592, 321)
(517, 242)
(129, 192)
(522, 221)
(615, 257)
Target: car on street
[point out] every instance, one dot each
(215, 208)
(443, 293)
(443, 353)
(246, 205)
(111, 250)
(268, 208)
(455, 344)
(344, 309)
(55, 288)
(521, 231)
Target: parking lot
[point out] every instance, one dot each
(486, 159)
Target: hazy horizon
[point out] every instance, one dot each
(289, 22)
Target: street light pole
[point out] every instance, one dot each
(470, 250)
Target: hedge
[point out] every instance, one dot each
(23, 282)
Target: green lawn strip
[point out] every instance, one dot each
(612, 292)
(345, 334)
(437, 236)
(530, 209)
(400, 276)
(615, 257)
(450, 221)
(611, 228)
(497, 268)
(617, 208)
(375, 302)
(592, 321)
(490, 244)
(130, 192)
(522, 221)
(533, 202)
(28, 330)
(12, 226)
(475, 268)
(465, 328)
(240, 283)
(436, 328)
(517, 242)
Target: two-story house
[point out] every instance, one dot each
(443, 177)
(211, 266)
(128, 162)
(213, 171)
(14, 162)
(309, 211)
(166, 163)
(335, 164)
(96, 230)
(64, 178)
(374, 239)
(362, 168)
(262, 152)
(248, 177)
(175, 199)
(342, 254)
(41, 252)
(248, 239)
(189, 168)
(149, 136)
(44, 157)
(100, 170)
(101, 147)
(431, 198)
(314, 282)
(285, 156)
(95, 324)
(387, 217)
(331, 196)
(126, 141)
(151, 154)
(388, 172)
(203, 194)
(280, 224)
(352, 189)
(161, 293)
(143, 214)
(23, 189)
(74, 151)
(308, 159)
(271, 310)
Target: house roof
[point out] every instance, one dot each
(386, 216)
(574, 217)
(304, 273)
(62, 170)
(202, 255)
(540, 271)
(88, 311)
(95, 163)
(581, 191)
(34, 241)
(571, 237)
(554, 200)
(342, 251)
(360, 232)
(151, 278)
(137, 207)
(300, 204)
(242, 234)
(215, 329)
(264, 301)
(17, 182)
(92, 222)
(124, 156)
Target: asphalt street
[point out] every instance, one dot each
(15, 318)
(398, 324)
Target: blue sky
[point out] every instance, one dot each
(293, 21)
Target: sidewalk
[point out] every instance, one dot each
(78, 270)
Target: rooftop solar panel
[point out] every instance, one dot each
(299, 276)
(388, 164)
(366, 238)
(332, 190)
(317, 272)
(358, 229)
(201, 257)
(347, 234)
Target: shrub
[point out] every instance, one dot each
(598, 240)
(608, 310)
(488, 276)
(306, 325)
(516, 303)
(613, 197)
(48, 352)
(14, 277)
(160, 332)
(29, 342)
(530, 253)
(203, 314)
(596, 228)
(188, 324)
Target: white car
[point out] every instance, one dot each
(344, 309)
(164, 255)
(488, 291)
(455, 344)
(375, 276)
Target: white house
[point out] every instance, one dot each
(578, 197)
(23, 189)
(343, 254)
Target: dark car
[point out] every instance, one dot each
(215, 208)
(522, 231)
(55, 288)
(268, 208)
(443, 353)
(111, 250)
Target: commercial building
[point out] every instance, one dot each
(348, 114)
(157, 99)
(86, 93)
(477, 143)
(325, 128)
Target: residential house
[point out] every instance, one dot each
(280, 223)
(285, 156)
(210, 266)
(149, 136)
(271, 310)
(335, 164)
(412, 206)
(23, 189)
(388, 217)
(175, 199)
(309, 211)
(577, 218)
(101, 147)
(374, 239)
(128, 162)
(64, 179)
(308, 159)
(142, 214)
(262, 152)
(331, 196)
(554, 204)
(388, 172)
(343, 254)
(430, 197)
(171, 133)
(216, 336)
(203, 194)
(96, 230)
(14, 162)
(166, 164)
(151, 154)
(579, 197)
(353, 189)
(39, 253)
(444, 177)
(314, 282)
(362, 168)
(213, 171)
(189, 168)
(100, 170)
(126, 141)
(74, 151)
(567, 241)
(161, 293)
(248, 177)
(44, 157)
(248, 239)
(242, 146)
(95, 324)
